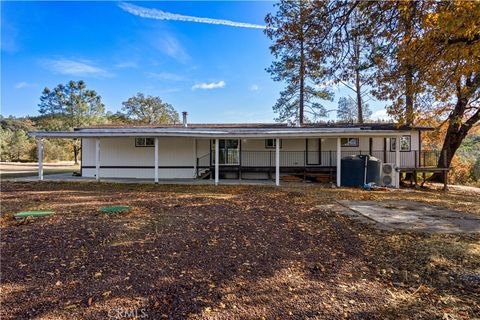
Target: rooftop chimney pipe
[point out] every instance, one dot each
(184, 113)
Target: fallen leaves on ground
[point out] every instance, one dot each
(230, 252)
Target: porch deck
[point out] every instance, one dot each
(305, 162)
(311, 159)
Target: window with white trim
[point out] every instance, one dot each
(272, 143)
(405, 143)
(144, 142)
(349, 142)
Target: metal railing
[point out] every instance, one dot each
(204, 161)
(408, 159)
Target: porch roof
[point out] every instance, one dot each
(251, 130)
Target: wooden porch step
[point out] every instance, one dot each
(205, 175)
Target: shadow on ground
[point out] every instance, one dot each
(198, 252)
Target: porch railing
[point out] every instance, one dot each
(408, 159)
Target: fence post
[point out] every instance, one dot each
(270, 163)
(197, 168)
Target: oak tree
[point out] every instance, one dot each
(149, 110)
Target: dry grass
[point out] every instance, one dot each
(229, 252)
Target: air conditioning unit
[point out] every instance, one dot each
(389, 175)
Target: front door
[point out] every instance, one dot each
(229, 152)
(314, 151)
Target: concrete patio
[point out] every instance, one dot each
(412, 216)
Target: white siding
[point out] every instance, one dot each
(176, 155)
(121, 152)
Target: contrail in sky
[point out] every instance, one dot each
(162, 15)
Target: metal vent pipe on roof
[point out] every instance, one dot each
(184, 113)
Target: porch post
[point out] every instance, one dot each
(97, 159)
(397, 161)
(217, 160)
(339, 162)
(156, 160)
(277, 162)
(40, 158)
(195, 157)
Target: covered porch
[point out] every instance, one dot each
(235, 153)
(223, 165)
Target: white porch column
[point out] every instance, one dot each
(97, 159)
(339, 162)
(277, 162)
(156, 159)
(397, 161)
(195, 157)
(217, 160)
(40, 158)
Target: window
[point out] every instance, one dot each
(229, 151)
(272, 143)
(228, 143)
(405, 143)
(349, 142)
(144, 142)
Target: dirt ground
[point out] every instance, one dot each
(227, 252)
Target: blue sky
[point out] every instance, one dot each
(213, 69)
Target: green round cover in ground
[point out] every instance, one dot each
(39, 213)
(115, 209)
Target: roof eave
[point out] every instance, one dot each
(275, 133)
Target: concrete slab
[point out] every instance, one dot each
(70, 178)
(414, 216)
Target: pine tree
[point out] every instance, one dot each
(71, 106)
(296, 62)
(348, 110)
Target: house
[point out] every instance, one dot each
(239, 151)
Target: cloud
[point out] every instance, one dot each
(9, 38)
(162, 15)
(164, 76)
(126, 64)
(254, 87)
(170, 46)
(330, 84)
(169, 90)
(75, 67)
(23, 84)
(209, 86)
(380, 115)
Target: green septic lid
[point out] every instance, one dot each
(114, 209)
(25, 214)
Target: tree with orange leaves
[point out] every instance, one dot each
(427, 59)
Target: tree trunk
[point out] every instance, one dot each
(301, 115)
(302, 84)
(409, 65)
(75, 153)
(409, 109)
(456, 133)
(358, 86)
(457, 129)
